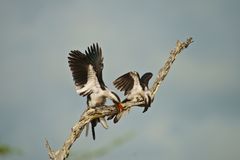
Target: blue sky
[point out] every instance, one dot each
(195, 114)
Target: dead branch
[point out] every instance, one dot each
(105, 111)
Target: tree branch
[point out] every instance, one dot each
(93, 113)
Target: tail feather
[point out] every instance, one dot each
(87, 129)
(117, 117)
(93, 124)
(103, 122)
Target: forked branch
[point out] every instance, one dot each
(105, 111)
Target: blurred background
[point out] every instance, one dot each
(195, 114)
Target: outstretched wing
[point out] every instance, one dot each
(87, 70)
(78, 64)
(145, 78)
(95, 58)
(128, 82)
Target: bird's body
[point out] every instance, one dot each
(133, 87)
(87, 74)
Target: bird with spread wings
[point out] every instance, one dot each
(87, 74)
(134, 86)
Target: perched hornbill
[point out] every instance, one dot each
(133, 86)
(87, 75)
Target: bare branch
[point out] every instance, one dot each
(165, 69)
(93, 113)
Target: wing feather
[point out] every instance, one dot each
(145, 78)
(78, 64)
(86, 70)
(124, 83)
(95, 58)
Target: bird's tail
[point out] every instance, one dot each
(93, 125)
(87, 129)
(103, 122)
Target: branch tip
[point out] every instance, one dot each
(50, 151)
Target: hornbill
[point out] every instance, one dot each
(134, 86)
(87, 74)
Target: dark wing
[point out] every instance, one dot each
(145, 78)
(87, 70)
(124, 83)
(95, 58)
(78, 64)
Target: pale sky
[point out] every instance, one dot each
(196, 113)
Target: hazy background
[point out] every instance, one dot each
(195, 114)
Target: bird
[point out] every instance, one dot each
(133, 87)
(87, 74)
